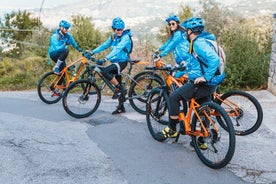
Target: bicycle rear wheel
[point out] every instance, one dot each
(217, 149)
(81, 99)
(47, 88)
(157, 113)
(249, 114)
(139, 90)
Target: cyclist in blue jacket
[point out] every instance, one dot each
(59, 41)
(121, 46)
(176, 43)
(199, 75)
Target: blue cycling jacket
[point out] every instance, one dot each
(205, 52)
(119, 47)
(178, 44)
(60, 42)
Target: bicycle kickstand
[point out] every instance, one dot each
(177, 137)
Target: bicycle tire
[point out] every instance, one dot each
(250, 111)
(45, 91)
(157, 113)
(78, 104)
(139, 90)
(221, 143)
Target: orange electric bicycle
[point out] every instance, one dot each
(207, 122)
(51, 86)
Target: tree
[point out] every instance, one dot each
(85, 33)
(17, 27)
(216, 18)
(247, 57)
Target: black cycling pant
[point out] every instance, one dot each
(55, 56)
(201, 92)
(114, 70)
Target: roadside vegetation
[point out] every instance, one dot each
(246, 41)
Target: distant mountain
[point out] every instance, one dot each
(143, 16)
(254, 7)
(138, 13)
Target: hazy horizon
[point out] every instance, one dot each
(14, 5)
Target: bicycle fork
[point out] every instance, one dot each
(84, 96)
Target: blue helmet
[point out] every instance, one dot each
(196, 24)
(65, 24)
(173, 17)
(118, 23)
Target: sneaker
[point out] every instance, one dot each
(201, 144)
(169, 133)
(119, 110)
(56, 71)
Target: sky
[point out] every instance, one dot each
(9, 5)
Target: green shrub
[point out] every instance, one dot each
(21, 74)
(247, 63)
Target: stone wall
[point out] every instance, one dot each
(272, 65)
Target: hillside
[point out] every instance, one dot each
(143, 16)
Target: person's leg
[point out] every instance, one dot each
(182, 93)
(121, 91)
(203, 93)
(60, 64)
(110, 73)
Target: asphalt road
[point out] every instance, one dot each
(40, 143)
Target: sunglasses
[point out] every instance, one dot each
(119, 29)
(172, 24)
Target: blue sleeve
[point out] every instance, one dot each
(103, 46)
(164, 45)
(119, 48)
(72, 41)
(207, 55)
(172, 42)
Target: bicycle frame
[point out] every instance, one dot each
(64, 73)
(206, 123)
(126, 75)
(232, 105)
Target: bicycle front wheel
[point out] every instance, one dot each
(81, 99)
(139, 90)
(244, 110)
(48, 89)
(157, 113)
(217, 148)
